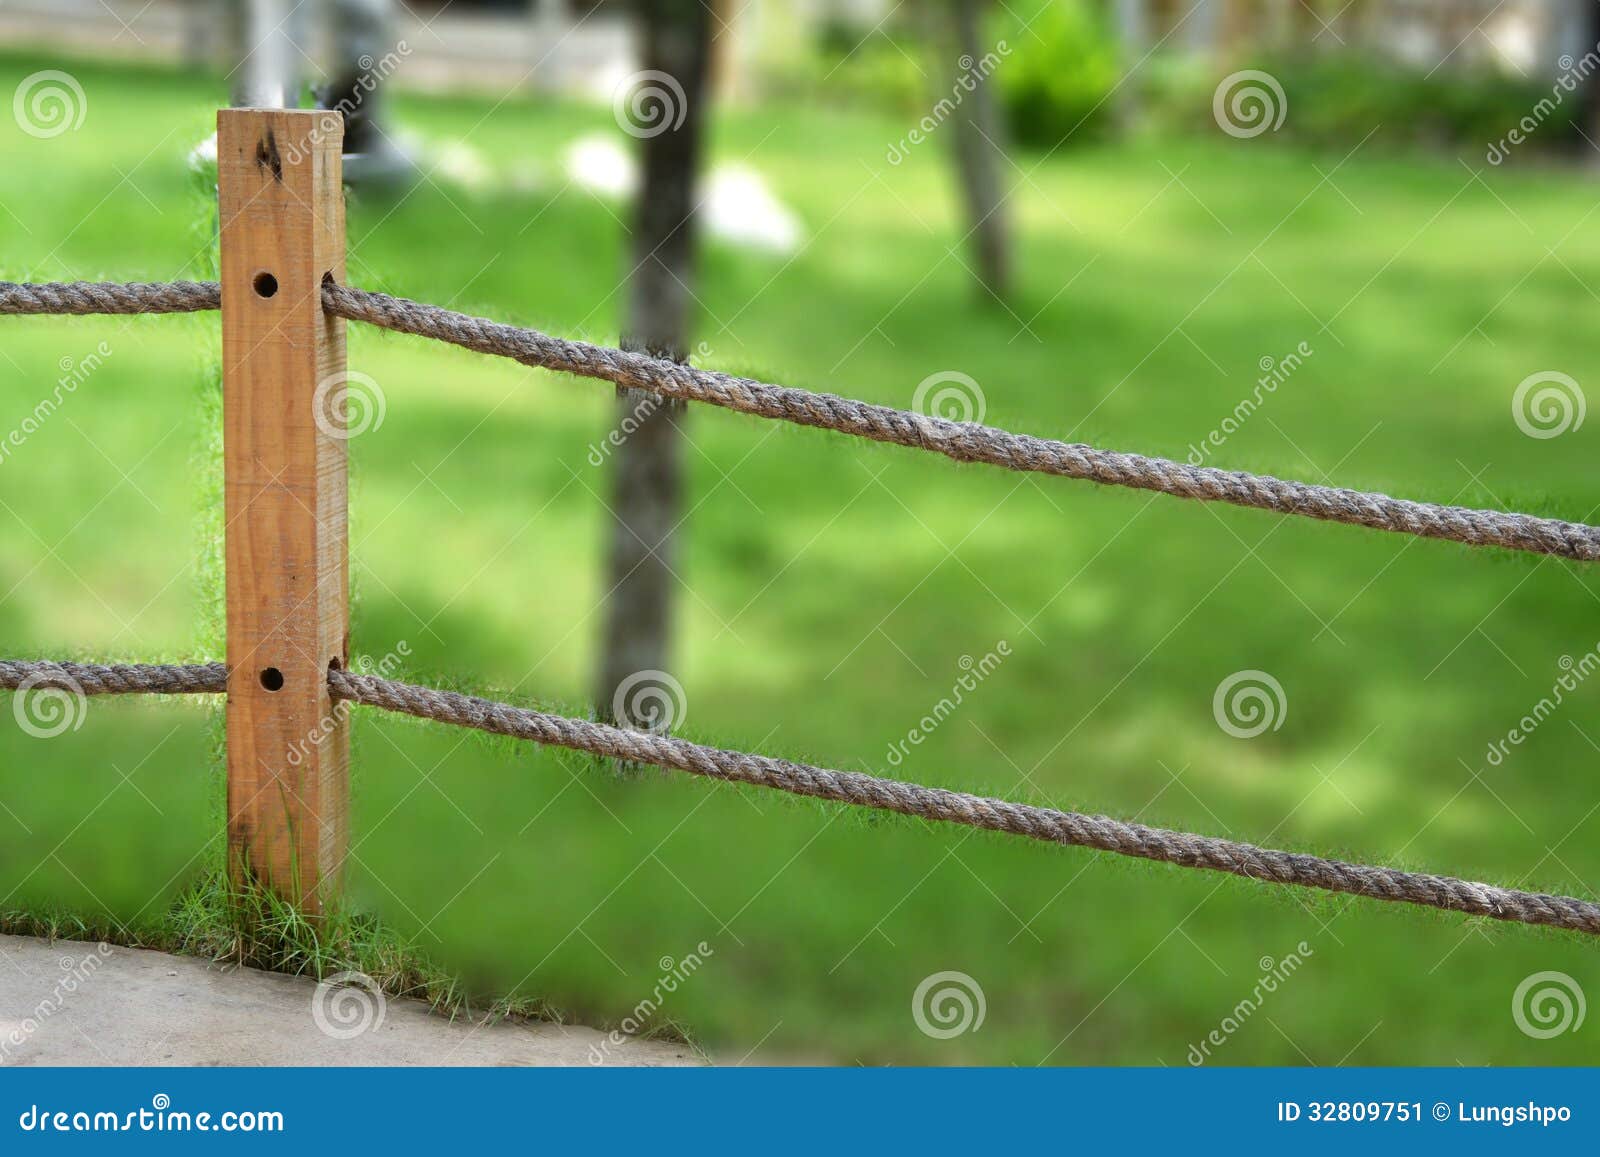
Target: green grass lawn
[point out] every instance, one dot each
(833, 587)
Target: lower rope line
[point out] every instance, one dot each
(962, 441)
(1090, 831)
(1073, 828)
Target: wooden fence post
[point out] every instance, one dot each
(281, 202)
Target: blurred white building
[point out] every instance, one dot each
(1523, 37)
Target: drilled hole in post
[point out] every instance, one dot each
(265, 285)
(272, 679)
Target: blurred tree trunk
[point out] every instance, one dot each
(979, 140)
(647, 478)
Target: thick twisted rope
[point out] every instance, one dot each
(115, 679)
(966, 441)
(82, 297)
(1089, 831)
(962, 441)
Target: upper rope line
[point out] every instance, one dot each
(962, 441)
(1184, 849)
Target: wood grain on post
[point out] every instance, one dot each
(282, 224)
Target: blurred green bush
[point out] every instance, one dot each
(1059, 68)
(886, 70)
(1059, 75)
(1339, 98)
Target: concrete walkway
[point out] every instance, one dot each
(78, 1003)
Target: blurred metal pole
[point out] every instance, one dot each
(1133, 34)
(265, 36)
(1200, 30)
